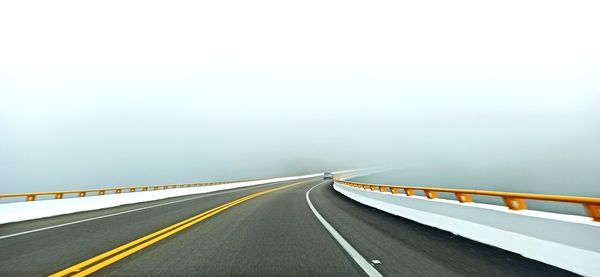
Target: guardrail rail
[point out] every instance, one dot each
(32, 196)
(513, 200)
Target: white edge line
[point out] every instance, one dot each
(360, 260)
(135, 210)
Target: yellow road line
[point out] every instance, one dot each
(107, 258)
(78, 266)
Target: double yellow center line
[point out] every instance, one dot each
(105, 259)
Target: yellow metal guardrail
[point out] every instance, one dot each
(513, 200)
(82, 193)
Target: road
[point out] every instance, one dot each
(272, 233)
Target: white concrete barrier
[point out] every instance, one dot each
(566, 241)
(20, 211)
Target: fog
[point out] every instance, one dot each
(490, 97)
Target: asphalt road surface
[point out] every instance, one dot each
(271, 233)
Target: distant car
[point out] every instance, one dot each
(327, 176)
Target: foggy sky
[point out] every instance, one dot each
(138, 92)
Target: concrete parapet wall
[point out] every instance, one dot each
(566, 241)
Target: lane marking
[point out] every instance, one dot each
(105, 259)
(134, 210)
(360, 260)
(147, 237)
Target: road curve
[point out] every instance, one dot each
(271, 234)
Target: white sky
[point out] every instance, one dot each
(70, 69)
(506, 37)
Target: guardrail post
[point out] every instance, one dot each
(383, 188)
(58, 195)
(374, 188)
(118, 191)
(174, 186)
(165, 187)
(82, 194)
(145, 189)
(463, 197)
(365, 186)
(410, 192)
(593, 210)
(155, 188)
(431, 194)
(101, 192)
(515, 203)
(132, 190)
(395, 190)
(30, 197)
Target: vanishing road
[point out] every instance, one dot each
(267, 230)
